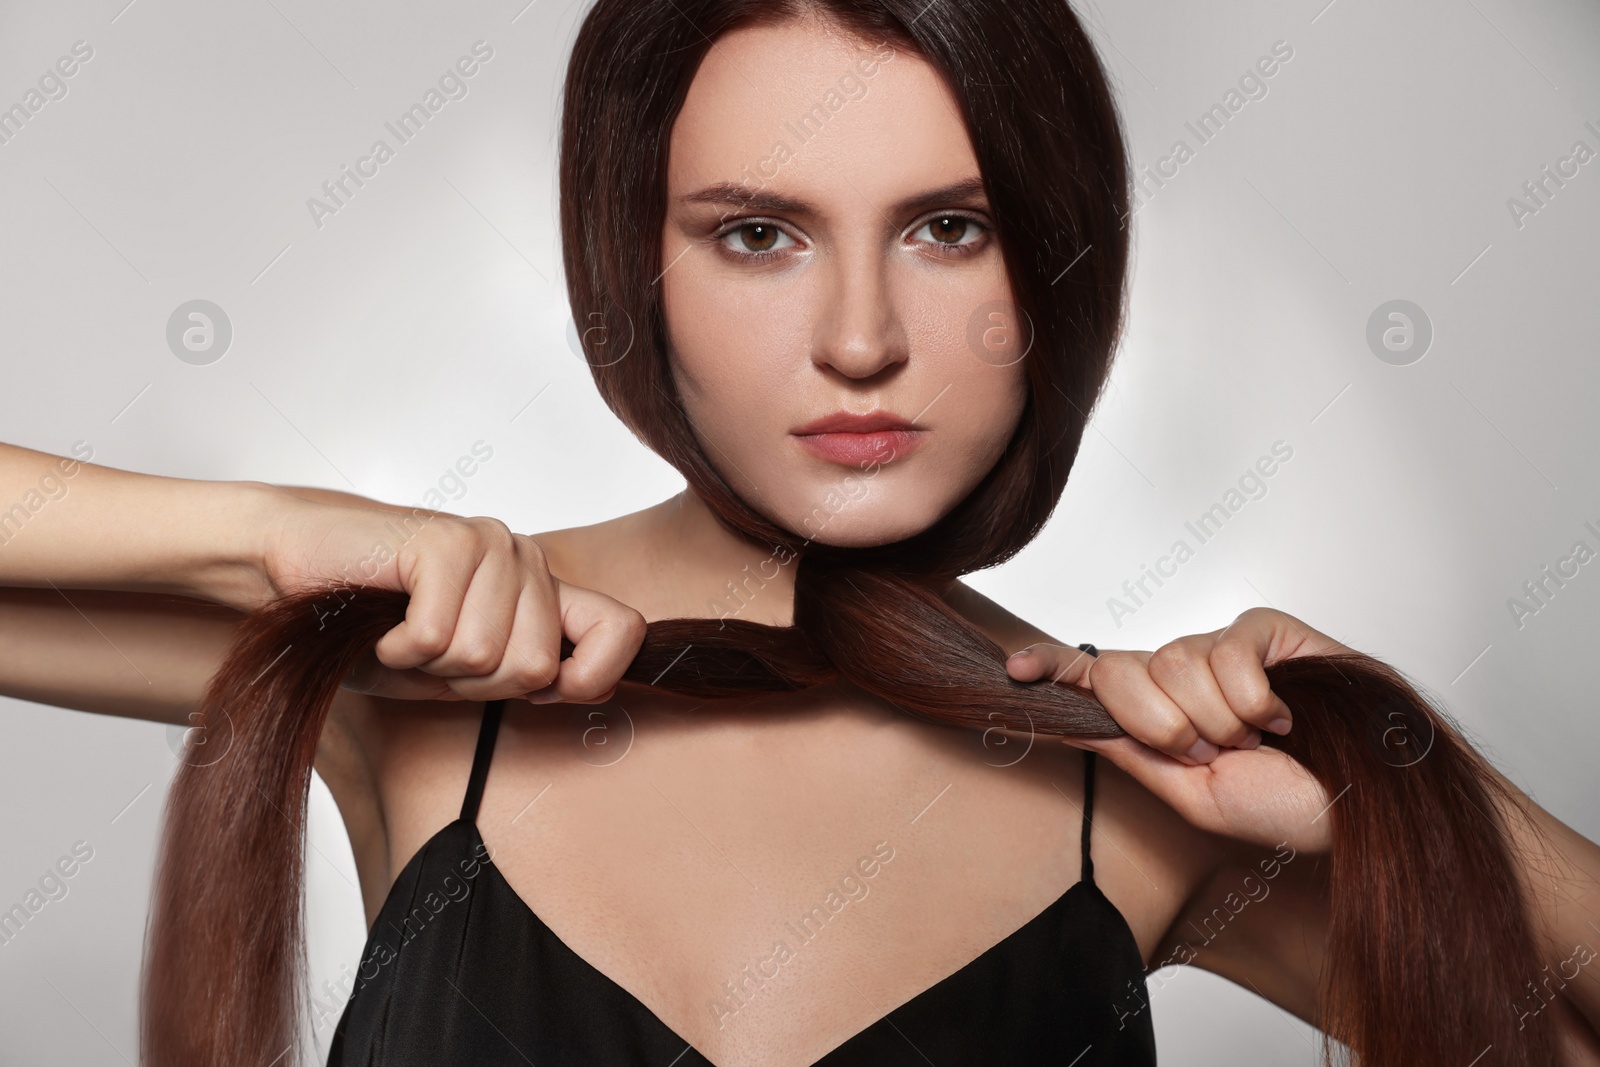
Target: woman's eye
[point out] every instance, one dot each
(952, 231)
(756, 239)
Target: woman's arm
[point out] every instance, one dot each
(137, 655)
(1261, 921)
(115, 587)
(1560, 874)
(486, 617)
(1260, 916)
(68, 524)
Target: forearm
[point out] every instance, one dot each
(137, 655)
(120, 592)
(1561, 874)
(70, 524)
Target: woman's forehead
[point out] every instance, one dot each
(817, 114)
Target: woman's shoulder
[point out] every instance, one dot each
(395, 767)
(615, 556)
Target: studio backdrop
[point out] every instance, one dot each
(1358, 383)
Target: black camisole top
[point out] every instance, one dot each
(458, 969)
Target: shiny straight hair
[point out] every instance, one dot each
(1430, 939)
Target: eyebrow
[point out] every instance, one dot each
(753, 199)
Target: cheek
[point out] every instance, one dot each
(987, 422)
(734, 336)
(981, 402)
(734, 361)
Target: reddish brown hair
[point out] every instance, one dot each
(1430, 938)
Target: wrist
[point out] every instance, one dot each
(229, 561)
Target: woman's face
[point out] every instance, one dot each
(828, 250)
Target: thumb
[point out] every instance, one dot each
(1167, 778)
(1057, 663)
(369, 675)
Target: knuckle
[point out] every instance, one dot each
(1235, 664)
(1234, 651)
(489, 534)
(494, 529)
(1115, 669)
(1248, 692)
(584, 684)
(430, 639)
(532, 551)
(1173, 660)
(477, 656)
(535, 669)
(441, 540)
(1259, 704)
(635, 628)
(1171, 735)
(452, 534)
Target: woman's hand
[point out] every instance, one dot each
(1194, 710)
(486, 616)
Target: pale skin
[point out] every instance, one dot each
(716, 826)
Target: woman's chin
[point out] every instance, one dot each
(879, 523)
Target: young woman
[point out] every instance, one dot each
(635, 876)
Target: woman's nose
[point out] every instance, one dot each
(859, 332)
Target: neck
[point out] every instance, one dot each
(676, 559)
(736, 577)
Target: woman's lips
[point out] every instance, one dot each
(861, 449)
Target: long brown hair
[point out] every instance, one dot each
(1430, 938)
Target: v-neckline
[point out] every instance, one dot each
(1081, 887)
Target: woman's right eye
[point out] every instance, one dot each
(755, 240)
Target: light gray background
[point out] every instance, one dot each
(429, 313)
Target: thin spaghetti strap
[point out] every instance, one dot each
(1088, 793)
(480, 759)
(1088, 813)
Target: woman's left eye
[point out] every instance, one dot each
(759, 240)
(953, 233)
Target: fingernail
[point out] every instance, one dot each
(1253, 741)
(542, 696)
(1279, 726)
(1020, 655)
(1203, 751)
